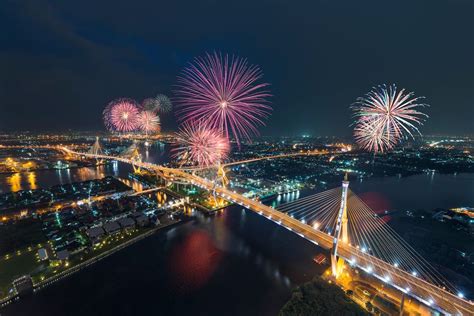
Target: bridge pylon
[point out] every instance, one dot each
(137, 157)
(221, 175)
(96, 149)
(134, 155)
(224, 181)
(341, 229)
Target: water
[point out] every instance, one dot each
(237, 263)
(232, 264)
(157, 153)
(424, 191)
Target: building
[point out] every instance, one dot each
(112, 227)
(142, 220)
(43, 254)
(95, 234)
(62, 255)
(126, 223)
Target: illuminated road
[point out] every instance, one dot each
(425, 292)
(242, 162)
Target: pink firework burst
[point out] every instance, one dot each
(122, 115)
(223, 93)
(371, 137)
(149, 122)
(197, 144)
(387, 115)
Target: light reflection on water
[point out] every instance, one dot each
(46, 178)
(286, 198)
(14, 182)
(156, 153)
(32, 180)
(136, 186)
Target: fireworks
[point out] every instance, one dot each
(200, 145)
(372, 138)
(385, 116)
(163, 103)
(159, 104)
(223, 93)
(121, 115)
(149, 121)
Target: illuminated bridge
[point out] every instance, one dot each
(339, 221)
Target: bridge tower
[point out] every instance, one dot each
(224, 181)
(221, 175)
(341, 227)
(96, 149)
(134, 155)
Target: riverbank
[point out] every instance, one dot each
(84, 264)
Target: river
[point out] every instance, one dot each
(236, 263)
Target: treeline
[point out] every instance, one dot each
(318, 297)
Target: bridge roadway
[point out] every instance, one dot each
(240, 162)
(425, 292)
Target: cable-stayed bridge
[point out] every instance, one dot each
(339, 221)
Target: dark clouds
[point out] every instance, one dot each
(62, 61)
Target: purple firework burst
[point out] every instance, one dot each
(223, 93)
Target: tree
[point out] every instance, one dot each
(320, 298)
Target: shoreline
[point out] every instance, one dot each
(63, 274)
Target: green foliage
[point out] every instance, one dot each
(20, 235)
(320, 298)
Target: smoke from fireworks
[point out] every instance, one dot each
(197, 144)
(121, 115)
(148, 121)
(385, 116)
(223, 93)
(149, 104)
(159, 104)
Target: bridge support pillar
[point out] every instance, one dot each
(402, 304)
(341, 228)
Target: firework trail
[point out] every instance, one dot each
(388, 116)
(223, 93)
(197, 144)
(121, 115)
(149, 122)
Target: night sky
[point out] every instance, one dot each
(62, 61)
